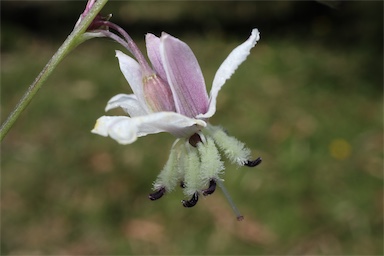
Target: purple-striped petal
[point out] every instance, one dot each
(153, 93)
(153, 51)
(184, 76)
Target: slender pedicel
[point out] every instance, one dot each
(253, 163)
(157, 194)
(210, 189)
(239, 217)
(130, 44)
(192, 202)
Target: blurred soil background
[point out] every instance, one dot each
(308, 100)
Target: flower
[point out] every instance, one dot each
(170, 96)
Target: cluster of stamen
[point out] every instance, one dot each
(194, 141)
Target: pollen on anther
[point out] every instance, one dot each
(146, 79)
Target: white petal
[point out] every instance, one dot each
(126, 130)
(128, 102)
(117, 127)
(133, 74)
(227, 68)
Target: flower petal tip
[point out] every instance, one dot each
(100, 128)
(255, 33)
(117, 53)
(118, 128)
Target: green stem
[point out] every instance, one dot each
(73, 40)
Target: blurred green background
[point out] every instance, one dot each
(308, 100)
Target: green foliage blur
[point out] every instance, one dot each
(308, 100)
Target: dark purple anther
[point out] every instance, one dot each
(194, 139)
(254, 162)
(192, 202)
(157, 194)
(211, 188)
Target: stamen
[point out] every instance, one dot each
(192, 202)
(239, 217)
(157, 194)
(253, 163)
(194, 139)
(211, 188)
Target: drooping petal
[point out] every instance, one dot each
(128, 102)
(184, 76)
(227, 68)
(153, 51)
(126, 130)
(117, 127)
(133, 74)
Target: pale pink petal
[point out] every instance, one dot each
(184, 76)
(227, 68)
(153, 51)
(126, 130)
(128, 102)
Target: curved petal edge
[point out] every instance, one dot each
(126, 130)
(228, 67)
